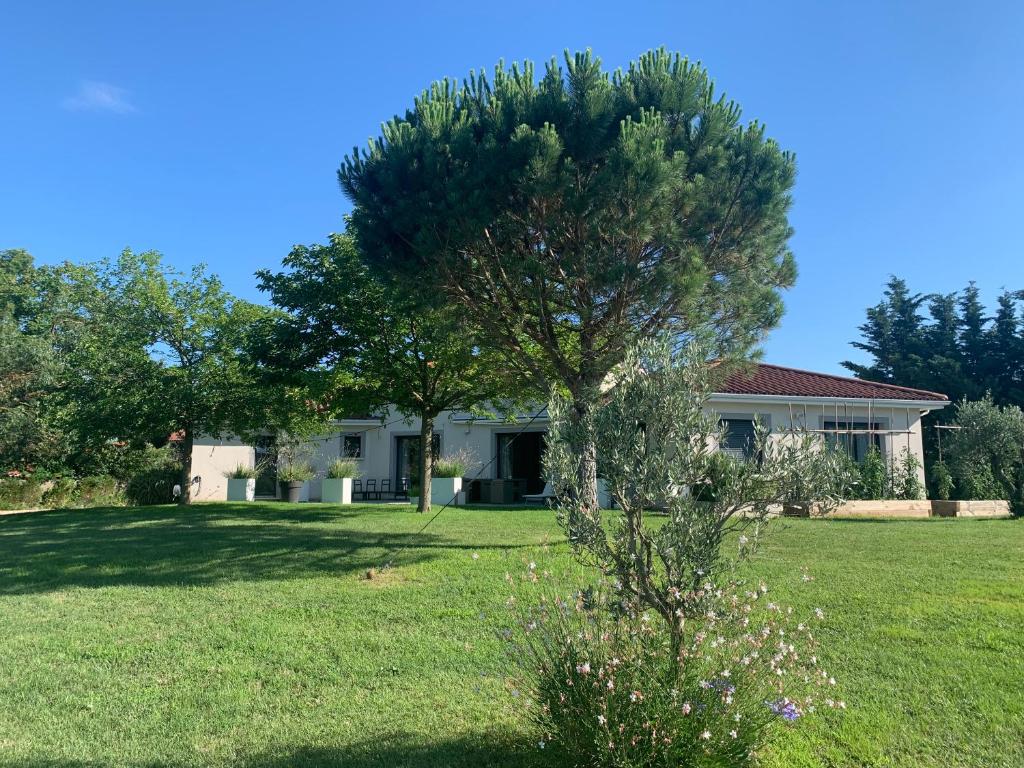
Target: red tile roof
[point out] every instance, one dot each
(765, 379)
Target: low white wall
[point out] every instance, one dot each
(212, 458)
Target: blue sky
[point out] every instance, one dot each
(212, 131)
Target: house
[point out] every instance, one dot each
(856, 413)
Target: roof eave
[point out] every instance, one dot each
(888, 402)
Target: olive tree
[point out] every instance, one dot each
(657, 445)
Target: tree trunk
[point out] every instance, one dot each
(187, 441)
(426, 460)
(586, 449)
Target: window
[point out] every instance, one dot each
(853, 436)
(352, 446)
(739, 438)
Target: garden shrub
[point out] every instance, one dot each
(873, 475)
(681, 665)
(61, 493)
(942, 481)
(985, 455)
(906, 479)
(154, 479)
(604, 689)
(20, 493)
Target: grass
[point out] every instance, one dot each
(247, 635)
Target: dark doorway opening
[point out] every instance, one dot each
(520, 458)
(266, 462)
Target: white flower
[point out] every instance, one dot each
(687, 708)
(602, 719)
(706, 735)
(583, 669)
(733, 734)
(476, 556)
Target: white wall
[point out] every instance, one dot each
(212, 458)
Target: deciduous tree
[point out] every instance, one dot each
(371, 342)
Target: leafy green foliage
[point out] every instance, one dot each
(362, 342)
(657, 444)
(956, 348)
(20, 493)
(942, 481)
(149, 352)
(874, 475)
(986, 454)
(29, 436)
(572, 214)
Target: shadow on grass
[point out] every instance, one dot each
(400, 751)
(394, 751)
(156, 546)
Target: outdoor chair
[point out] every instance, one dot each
(385, 488)
(371, 490)
(548, 494)
(357, 489)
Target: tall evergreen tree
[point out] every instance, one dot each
(971, 337)
(892, 335)
(573, 215)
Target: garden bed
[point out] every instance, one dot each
(905, 509)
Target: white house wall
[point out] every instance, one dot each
(212, 458)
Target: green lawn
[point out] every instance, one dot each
(245, 635)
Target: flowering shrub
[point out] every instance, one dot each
(680, 665)
(606, 691)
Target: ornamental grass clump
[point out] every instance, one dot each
(454, 464)
(343, 468)
(673, 661)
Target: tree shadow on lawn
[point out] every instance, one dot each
(390, 751)
(161, 546)
(403, 751)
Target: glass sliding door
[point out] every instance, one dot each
(407, 460)
(266, 459)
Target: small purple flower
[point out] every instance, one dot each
(785, 709)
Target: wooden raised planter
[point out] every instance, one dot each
(986, 508)
(903, 509)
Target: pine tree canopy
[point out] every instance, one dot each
(574, 213)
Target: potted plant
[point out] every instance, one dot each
(292, 477)
(338, 483)
(414, 492)
(446, 483)
(242, 483)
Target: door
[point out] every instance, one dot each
(520, 457)
(407, 460)
(266, 461)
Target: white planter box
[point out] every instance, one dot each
(414, 500)
(337, 490)
(444, 489)
(241, 488)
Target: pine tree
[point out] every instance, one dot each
(1005, 352)
(892, 336)
(971, 337)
